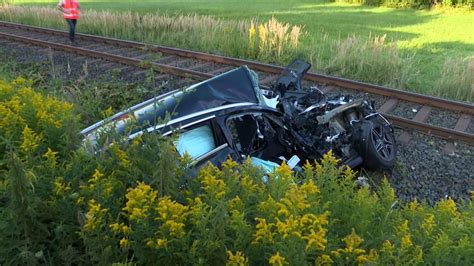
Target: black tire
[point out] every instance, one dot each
(375, 142)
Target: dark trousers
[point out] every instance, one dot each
(72, 28)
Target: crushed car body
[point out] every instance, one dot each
(231, 116)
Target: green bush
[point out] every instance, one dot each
(135, 203)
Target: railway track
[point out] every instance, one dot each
(404, 109)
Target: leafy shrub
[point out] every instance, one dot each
(136, 202)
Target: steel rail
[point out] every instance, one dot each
(452, 105)
(449, 134)
(446, 133)
(115, 58)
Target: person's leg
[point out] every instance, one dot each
(69, 23)
(74, 21)
(72, 28)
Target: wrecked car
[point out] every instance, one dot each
(230, 115)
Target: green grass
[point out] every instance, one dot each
(433, 36)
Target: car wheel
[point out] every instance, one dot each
(376, 144)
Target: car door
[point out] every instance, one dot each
(205, 143)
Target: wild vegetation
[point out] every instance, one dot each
(137, 203)
(413, 3)
(386, 46)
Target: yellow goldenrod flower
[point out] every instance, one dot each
(284, 172)
(47, 118)
(121, 156)
(336, 253)
(212, 183)
(94, 207)
(20, 81)
(124, 242)
(138, 214)
(175, 229)
(316, 239)
(406, 241)
(94, 216)
(170, 209)
(428, 224)
(287, 227)
(80, 200)
(235, 203)
(413, 205)
(276, 259)
(309, 188)
(30, 140)
(50, 155)
(96, 176)
(264, 231)
(283, 210)
(136, 141)
(60, 187)
(419, 254)
(387, 247)
(14, 104)
(248, 184)
(115, 227)
(150, 243)
(139, 201)
(353, 240)
(373, 256)
(448, 206)
(403, 228)
(125, 229)
(161, 242)
(268, 206)
(362, 259)
(329, 158)
(324, 260)
(229, 164)
(295, 199)
(108, 112)
(237, 259)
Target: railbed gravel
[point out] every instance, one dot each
(470, 128)
(443, 118)
(421, 170)
(406, 109)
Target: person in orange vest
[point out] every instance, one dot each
(71, 12)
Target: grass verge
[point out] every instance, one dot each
(380, 57)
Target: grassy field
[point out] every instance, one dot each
(433, 37)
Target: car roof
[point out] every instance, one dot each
(238, 87)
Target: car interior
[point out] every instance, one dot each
(255, 135)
